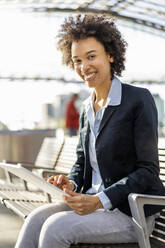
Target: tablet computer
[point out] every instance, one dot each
(30, 177)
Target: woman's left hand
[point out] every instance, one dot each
(82, 203)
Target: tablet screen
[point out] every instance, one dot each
(32, 178)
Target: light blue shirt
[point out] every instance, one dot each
(114, 98)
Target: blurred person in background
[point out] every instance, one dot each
(72, 115)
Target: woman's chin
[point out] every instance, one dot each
(90, 84)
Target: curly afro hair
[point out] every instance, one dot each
(102, 28)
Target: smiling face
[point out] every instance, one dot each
(91, 62)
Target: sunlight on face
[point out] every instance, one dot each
(91, 62)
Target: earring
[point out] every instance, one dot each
(111, 60)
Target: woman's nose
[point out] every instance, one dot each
(84, 67)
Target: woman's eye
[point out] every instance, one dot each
(76, 61)
(91, 56)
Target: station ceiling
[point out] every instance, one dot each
(147, 14)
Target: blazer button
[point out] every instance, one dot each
(107, 180)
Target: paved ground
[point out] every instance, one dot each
(10, 225)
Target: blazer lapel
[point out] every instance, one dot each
(88, 169)
(109, 111)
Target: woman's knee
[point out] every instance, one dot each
(31, 229)
(36, 217)
(56, 230)
(39, 215)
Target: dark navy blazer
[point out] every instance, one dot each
(126, 150)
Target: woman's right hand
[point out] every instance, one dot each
(61, 182)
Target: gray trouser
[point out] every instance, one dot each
(57, 226)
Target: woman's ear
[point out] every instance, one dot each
(111, 60)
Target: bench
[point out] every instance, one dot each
(63, 164)
(66, 158)
(15, 189)
(23, 201)
(46, 158)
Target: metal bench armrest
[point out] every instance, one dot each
(137, 202)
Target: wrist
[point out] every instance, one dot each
(72, 186)
(98, 202)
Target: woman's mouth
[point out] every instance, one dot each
(90, 76)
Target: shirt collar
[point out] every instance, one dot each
(114, 95)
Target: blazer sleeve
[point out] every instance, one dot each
(146, 171)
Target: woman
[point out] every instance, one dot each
(117, 150)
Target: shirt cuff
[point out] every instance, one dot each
(75, 185)
(105, 201)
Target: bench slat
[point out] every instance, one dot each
(23, 195)
(22, 208)
(49, 152)
(162, 171)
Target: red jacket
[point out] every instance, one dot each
(72, 115)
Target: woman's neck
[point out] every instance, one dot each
(101, 97)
